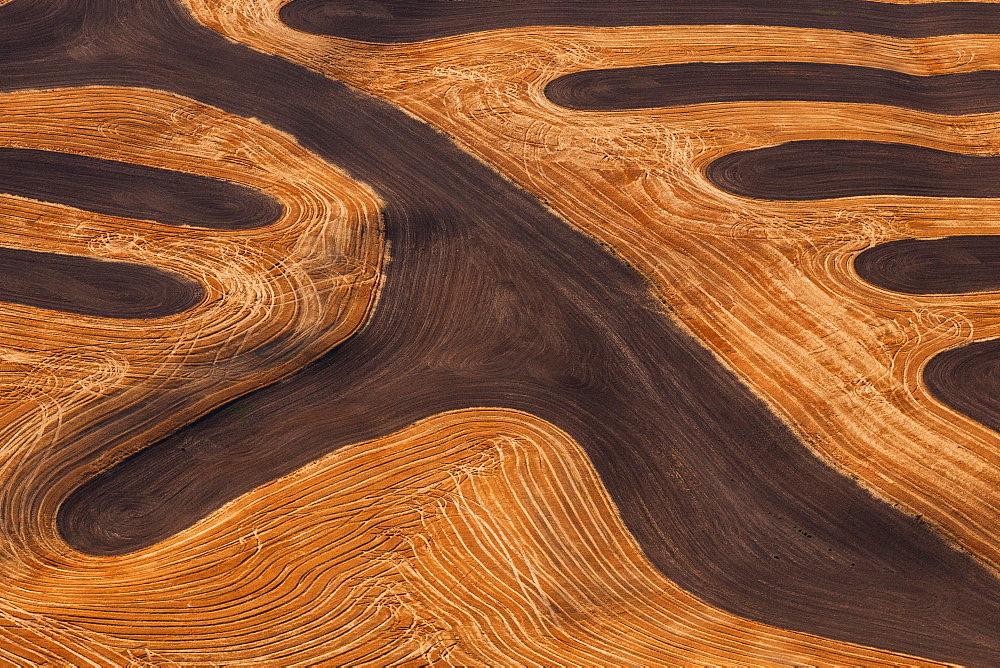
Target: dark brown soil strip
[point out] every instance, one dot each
(968, 380)
(88, 286)
(822, 169)
(952, 265)
(134, 191)
(697, 83)
(489, 300)
(415, 20)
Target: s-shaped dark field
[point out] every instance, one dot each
(489, 300)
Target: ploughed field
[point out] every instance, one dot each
(489, 332)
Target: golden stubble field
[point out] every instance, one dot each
(480, 536)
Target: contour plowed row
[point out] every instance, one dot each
(826, 168)
(88, 286)
(134, 191)
(414, 20)
(701, 83)
(768, 285)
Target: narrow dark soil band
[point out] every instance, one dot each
(830, 168)
(134, 191)
(968, 380)
(698, 83)
(88, 286)
(416, 20)
(952, 265)
(489, 300)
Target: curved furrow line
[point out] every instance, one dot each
(673, 85)
(415, 20)
(489, 300)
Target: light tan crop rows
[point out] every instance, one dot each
(480, 537)
(294, 289)
(477, 537)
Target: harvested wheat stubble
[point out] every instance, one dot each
(413, 20)
(702, 83)
(479, 537)
(489, 300)
(768, 285)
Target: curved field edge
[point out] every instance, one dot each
(476, 537)
(885, 429)
(81, 392)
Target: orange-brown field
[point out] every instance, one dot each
(472, 538)
(488, 534)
